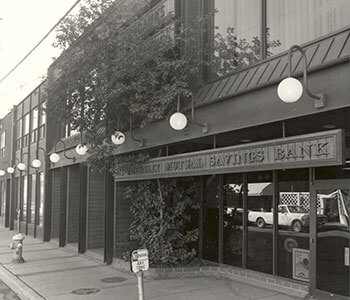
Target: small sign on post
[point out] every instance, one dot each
(139, 263)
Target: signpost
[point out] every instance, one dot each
(139, 264)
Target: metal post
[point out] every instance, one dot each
(140, 284)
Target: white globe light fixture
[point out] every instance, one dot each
(290, 90)
(81, 149)
(54, 158)
(36, 163)
(21, 166)
(10, 170)
(118, 138)
(178, 121)
(2, 172)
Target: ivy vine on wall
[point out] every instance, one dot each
(165, 219)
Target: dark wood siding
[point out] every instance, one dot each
(96, 211)
(73, 204)
(56, 198)
(123, 221)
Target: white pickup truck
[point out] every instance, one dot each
(293, 216)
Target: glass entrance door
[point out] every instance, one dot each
(330, 238)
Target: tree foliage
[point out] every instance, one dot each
(232, 53)
(163, 219)
(121, 71)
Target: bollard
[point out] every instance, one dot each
(17, 246)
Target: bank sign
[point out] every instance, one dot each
(312, 150)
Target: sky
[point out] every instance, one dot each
(23, 23)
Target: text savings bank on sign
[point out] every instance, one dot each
(139, 260)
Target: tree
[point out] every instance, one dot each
(115, 71)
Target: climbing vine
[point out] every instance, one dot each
(165, 219)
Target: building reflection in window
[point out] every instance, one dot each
(333, 239)
(236, 35)
(300, 21)
(260, 220)
(293, 219)
(233, 219)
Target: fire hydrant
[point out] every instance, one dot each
(17, 246)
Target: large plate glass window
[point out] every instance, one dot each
(237, 28)
(293, 224)
(260, 221)
(333, 240)
(233, 219)
(300, 21)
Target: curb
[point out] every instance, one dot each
(21, 289)
(253, 278)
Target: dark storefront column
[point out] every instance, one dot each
(245, 221)
(13, 202)
(109, 217)
(83, 170)
(48, 206)
(221, 219)
(7, 207)
(63, 208)
(37, 201)
(275, 202)
(200, 218)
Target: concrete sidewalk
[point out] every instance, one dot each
(55, 273)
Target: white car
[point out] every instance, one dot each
(293, 216)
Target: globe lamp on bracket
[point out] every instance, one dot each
(10, 170)
(2, 172)
(54, 158)
(290, 90)
(36, 163)
(178, 121)
(81, 149)
(118, 138)
(21, 166)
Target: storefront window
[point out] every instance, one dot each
(260, 221)
(236, 35)
(233, 219)
(300, 21)
(211, 218)
(293, 220)
(333, 240)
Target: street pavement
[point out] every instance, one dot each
(56, 273)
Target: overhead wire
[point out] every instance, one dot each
(36, 46)
(42, 77)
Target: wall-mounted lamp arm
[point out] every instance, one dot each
(320, 99)
(141, 141)
(64, 150)
(204, 125)
(26, 153)
(37, 152)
